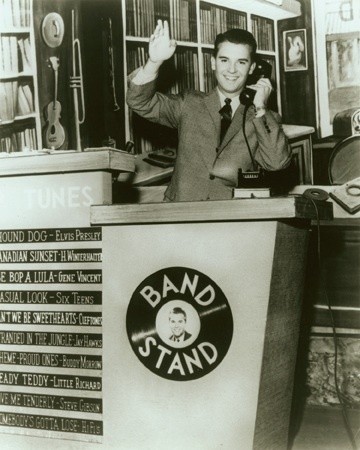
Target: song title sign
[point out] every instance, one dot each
(51, 332)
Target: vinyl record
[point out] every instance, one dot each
(179, 323)
(344, 163)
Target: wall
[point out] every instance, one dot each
(338, 284)
(104, 119)
(297, 87)
(45, 73)
(91, 15)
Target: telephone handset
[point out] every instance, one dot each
(280, 181)
(262, 70)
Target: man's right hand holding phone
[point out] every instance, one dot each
(263, 90)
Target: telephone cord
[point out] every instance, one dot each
(246, 140)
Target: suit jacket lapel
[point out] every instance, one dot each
(234, 128)
(212, 103)
(212, 106)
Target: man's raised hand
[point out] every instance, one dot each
(161, 47)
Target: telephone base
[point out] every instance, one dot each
(252, 179)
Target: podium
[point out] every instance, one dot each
(138, 326)
(232, 272)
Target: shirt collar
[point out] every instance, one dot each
(235, 101)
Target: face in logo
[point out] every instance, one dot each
(179, 323)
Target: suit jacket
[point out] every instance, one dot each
(204, 168)
(186, 336)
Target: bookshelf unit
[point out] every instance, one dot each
(194, 25)
(20, 126)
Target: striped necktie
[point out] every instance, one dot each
(226, 116)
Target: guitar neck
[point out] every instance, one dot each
(54, 64)
(56, 85)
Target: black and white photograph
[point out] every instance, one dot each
(179, 225)
(295, 50)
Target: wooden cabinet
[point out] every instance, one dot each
(300, 141)
(29, 72)
(20, 127)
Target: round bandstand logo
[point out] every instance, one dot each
(179, 323)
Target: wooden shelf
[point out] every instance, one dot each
(66, 161)
(179, 43)
(296, 131)
(341, 216)
(18, 119)
(264, 8)
(11, 76)
(145, 173)
(16, 30)
(216, 210)
(24, 134)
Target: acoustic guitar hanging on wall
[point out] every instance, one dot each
(54, 135)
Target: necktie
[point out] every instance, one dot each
(226, 116)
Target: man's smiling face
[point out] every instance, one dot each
(177, 324)
(232, 65)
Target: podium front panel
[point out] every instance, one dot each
(202, 394)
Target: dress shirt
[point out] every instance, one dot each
(235, 101)
(141, 78)
(180, 338)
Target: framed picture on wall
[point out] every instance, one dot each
(295, 50)
(337, 49)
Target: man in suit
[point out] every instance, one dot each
(207, 166)
(177, 321)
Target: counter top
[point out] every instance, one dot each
(147, 174)
(291, 207)
(296, 131)
(34, 163)
(341, 216)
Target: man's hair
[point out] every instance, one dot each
(178, 310)
(236, 36)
